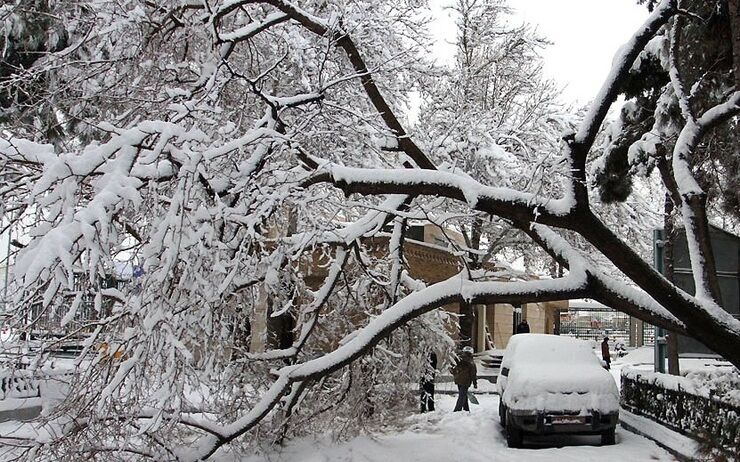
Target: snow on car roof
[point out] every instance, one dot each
(544, 348)
(549, 372)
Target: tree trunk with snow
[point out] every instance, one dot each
(734, 8)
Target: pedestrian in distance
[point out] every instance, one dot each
(605, 353)
(427, 383)
(522, 327)
(620, 349)
(465, 373)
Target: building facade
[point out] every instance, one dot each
(431, 260)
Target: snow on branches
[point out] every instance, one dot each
(227, 153)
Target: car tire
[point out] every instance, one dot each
(608, 437)
(502, 414)
(514, 435)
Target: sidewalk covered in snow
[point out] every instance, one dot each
(460, 436)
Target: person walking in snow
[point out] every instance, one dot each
(465, 373)
(427, 384)
(522, 327)
(605, 352)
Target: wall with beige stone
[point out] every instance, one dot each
(434, 235)
(504, 318)
(535, 316)
(539, 316)
(432, 264)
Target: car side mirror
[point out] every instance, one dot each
(505, 371)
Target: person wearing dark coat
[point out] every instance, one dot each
(605, 353)
(522, 327)
(427, 384)
(465, 373)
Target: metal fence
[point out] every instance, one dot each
(594, 323)
(714, 422)
(648, 334)
(48, 320)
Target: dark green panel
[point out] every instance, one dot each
(726, 248)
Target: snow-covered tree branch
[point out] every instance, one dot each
(214, 200)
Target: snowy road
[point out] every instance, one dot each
(444, 436)
(475, 437)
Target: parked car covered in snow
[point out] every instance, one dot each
(550, 384)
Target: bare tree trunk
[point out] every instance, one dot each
(467, 310)
(672, 343)
(467, 319)
(670, 239)
(734, 7)
(282, 328)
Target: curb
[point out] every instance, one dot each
(22, 414)
(679, 454)
(473, 391)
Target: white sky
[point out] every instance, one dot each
(585, 36)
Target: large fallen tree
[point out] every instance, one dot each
(222, 148)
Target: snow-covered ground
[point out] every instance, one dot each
(642, 358)
(472, 437)
(446, 436)
(477, 436)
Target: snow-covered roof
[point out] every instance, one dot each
(586, 303)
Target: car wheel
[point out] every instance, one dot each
(502, 414)
(608, 437)
(514, 436)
